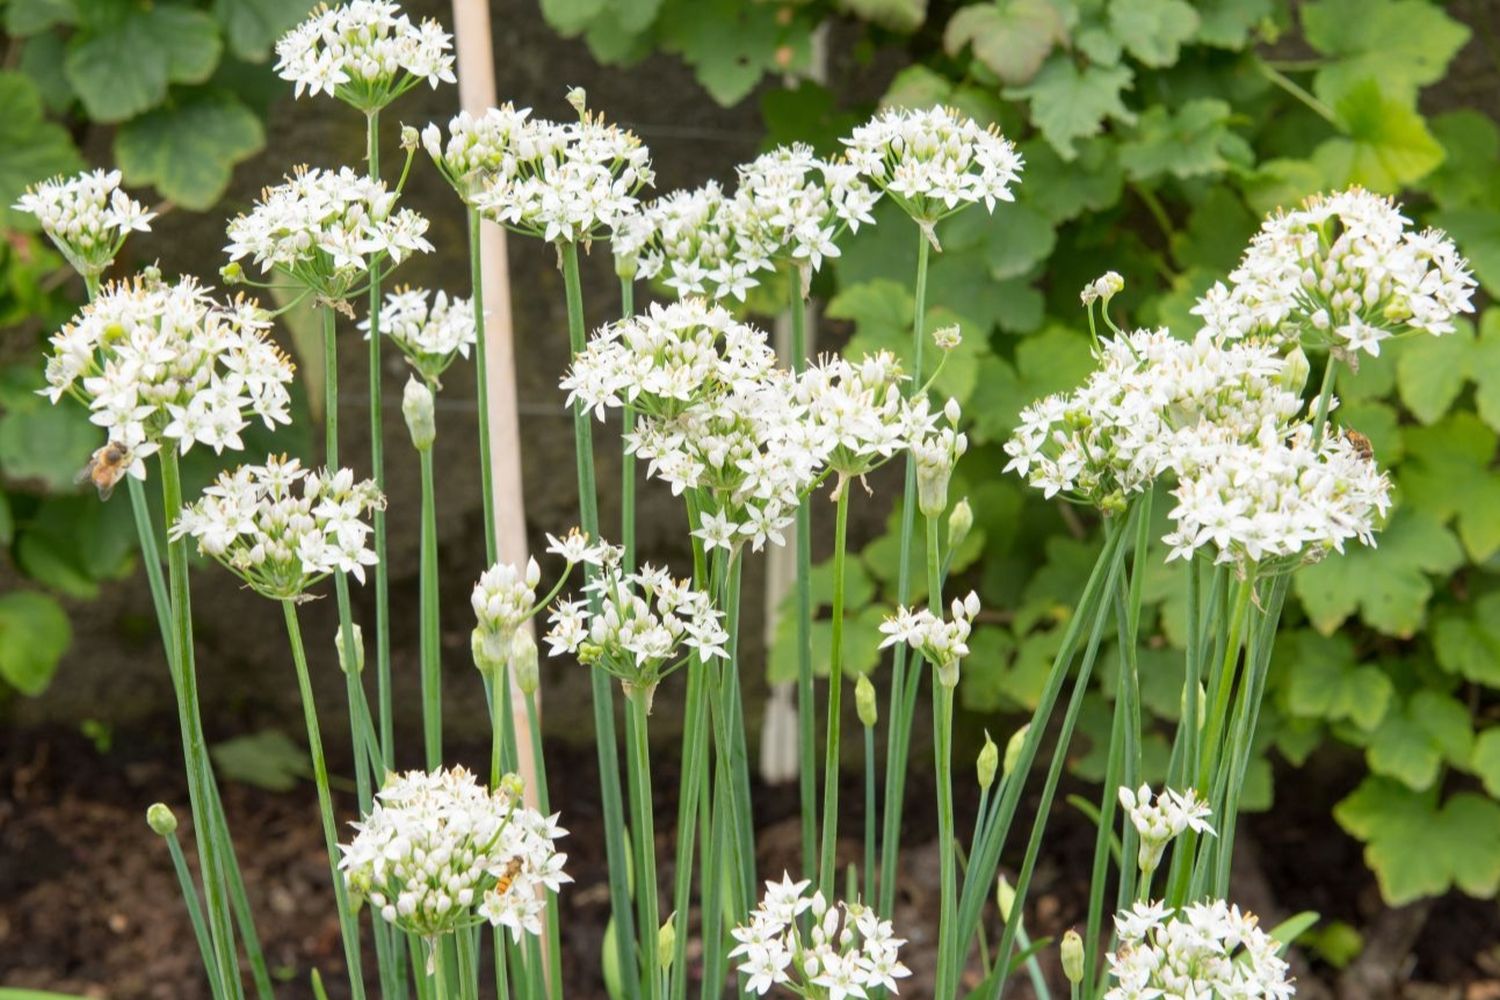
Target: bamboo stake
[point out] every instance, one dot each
(476, 92)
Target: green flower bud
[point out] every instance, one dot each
(578, 100)
(1013, 750)
(864, 701)
(417, 407)
(1294, 375)
(1005, 897)
(1072, 956)
(161, 819)
(989, 760)
(666, 942)
(359, 649)
(490, 650)
(626, 266)
(523, 662)
(410, 140)
(960, 523)
(232, 273)
(512, 785)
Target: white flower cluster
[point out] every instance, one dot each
(165, 363)
(935, 455)
(858, 412)
(1343, 271)
(934, 162)
(1207, 949)
(282, 528)
(943, 643)
(504, 599)
(847, 951)
(319, 227)
(645, 626)
(431, 330)
(1162, 820)
(562, 182)
(440, 852)
(366, 53)
(710, 243)
(1280, 498)
(87, 216)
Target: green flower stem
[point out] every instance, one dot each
(544, 804)
(377, 472)
(244, 917)
(195, 914)
(1325, 397)
(627, 458)
(482, 390)
(603, 691)
(643, 832)
(807, 695)
(1054, 772)
(715, 952)
(738, 762)
(869, 867)
(1185, 742)
(898, 739)
(942, 740)
(694, 756)
(432, 669)
(986, 858)
(826, 873)
(348, 922)
(210, 856)
(1223, 683)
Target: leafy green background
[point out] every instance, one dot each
(1156, 134)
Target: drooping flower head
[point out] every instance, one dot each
(439, 852)
(282, 528)
(366, 53)
(1207, 949)
(934, 162)
(570, 182)
(846, 950)
(160, 363)
(321, 228)
(87, 216)
(1342, 271)
(430, 329)
(645, 626)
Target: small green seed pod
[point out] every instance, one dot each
(161, 819)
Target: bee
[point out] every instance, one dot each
(106, 468)
(508, 875)
(1362, 446)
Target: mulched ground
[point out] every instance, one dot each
(89, 905)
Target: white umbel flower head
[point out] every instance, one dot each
(282, 528)
(321, 228)
(430, 329)
(439, 852)
(562, 182)
(847, 951)
(1206, 949)
(943, 643)
(87, 216)
(646, 626)
(366, 53)
(858, 410)
(1163, 819)
(504, 599)
(1343, 271)
(934, 162)
(160, 364)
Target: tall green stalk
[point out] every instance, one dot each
(348, 922)
(627, 457)
(482, 389)
(643, 832)
(603, 692)
(942, 737)
(695, 750)
(903, 703)
(431, 657)
(377, 472)
(807, 695)
(210, 860)
(826, 872)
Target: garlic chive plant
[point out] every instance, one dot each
(1223, 423)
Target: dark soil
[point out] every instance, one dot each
(89, 904)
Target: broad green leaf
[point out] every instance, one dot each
(34, 634)
(806, 113)
(1191, 141)
(917, 86)
(188, 150)
(1216, 232)
(1471, 147)
(1484, 761)
(1431, 371)
(1386, 144)
(31, 148)
(1153, 30)
(1449, 472)
(1405, 44)
(1324, 682)
(46, 444)
(1058, 358)
(730, 44)
(1413, 741)
(882, 311)
(72, 543)
(1417, 847)
(1486, 369)
(267, 759)
(30, 17)
(1227, 24)
(1064, 189)
(1477, 233)
(1281, 184)
(1020, 237)
(1380, 424)
(569, 17)
(252, 26)
(42, 61)
(1012, 37)
(893, 15)
(123, 60)
(1389, 585)
(1466, 640)
(1069, 103)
